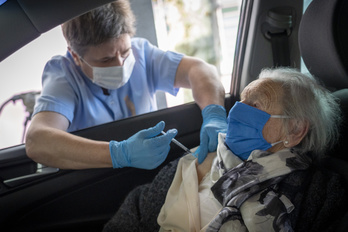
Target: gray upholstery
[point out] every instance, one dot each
(341, 149)
(323, 40)
(323, 37)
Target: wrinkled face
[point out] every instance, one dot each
(266, 95)
(111, 53)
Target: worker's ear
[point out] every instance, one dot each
(75, 57)
(297, 131)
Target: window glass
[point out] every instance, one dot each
(21, 80)
(205, 29)
(304, 69)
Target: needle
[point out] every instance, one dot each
(178, 143)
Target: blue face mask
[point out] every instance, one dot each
(244, 130)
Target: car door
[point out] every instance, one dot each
(37, 198)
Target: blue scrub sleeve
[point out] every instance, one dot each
(161, 66)
(57, 93)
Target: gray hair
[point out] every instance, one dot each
(305, 100)
(99, 25)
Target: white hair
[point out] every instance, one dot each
(305, 100)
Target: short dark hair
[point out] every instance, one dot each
(99, 25)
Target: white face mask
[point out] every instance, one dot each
(113, 77)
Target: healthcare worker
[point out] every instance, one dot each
(108, 75)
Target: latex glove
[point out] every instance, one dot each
(142, 150)
(214, 122)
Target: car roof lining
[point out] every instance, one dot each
(22, 21)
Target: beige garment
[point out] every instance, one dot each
(180, 214)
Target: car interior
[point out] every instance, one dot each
(270, 33)
(324, 51)
(326, 56)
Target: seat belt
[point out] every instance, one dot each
(277, 28)
(280, 49)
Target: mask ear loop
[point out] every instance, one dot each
(280, 116)
(286, 142)
(273, 144)
(84, 61)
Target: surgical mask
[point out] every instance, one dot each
(244, 130)
(113, 77)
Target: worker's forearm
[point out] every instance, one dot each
(206, 87)
(56, 148)
(206, 96)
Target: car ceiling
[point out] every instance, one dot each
(21, 21)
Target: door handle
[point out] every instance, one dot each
(41, 172)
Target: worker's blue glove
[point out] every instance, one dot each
(142, 150)
(214, 122)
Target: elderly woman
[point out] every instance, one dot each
(256, 180)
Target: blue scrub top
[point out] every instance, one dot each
(67, 91)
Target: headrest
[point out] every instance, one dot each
(323, 41)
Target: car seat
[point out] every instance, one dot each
(323, 42)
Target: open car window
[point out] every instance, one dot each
(174, 26)
(21, 84)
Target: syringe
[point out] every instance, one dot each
(178, 143)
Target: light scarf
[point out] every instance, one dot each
(248, 192)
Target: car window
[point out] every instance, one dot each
(204, 29)
(21, 78)
(304, 68)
